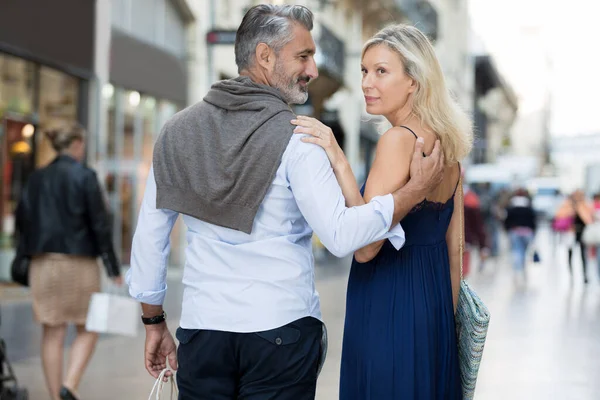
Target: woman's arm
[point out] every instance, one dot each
(324, 137)
(390, 172)
(455, 240)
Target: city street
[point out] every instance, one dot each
(543, 342)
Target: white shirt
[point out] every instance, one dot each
(240, 282)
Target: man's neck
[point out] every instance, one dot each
(255, 77)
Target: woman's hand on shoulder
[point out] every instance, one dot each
(321, 135)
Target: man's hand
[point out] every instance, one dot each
(427, 172)
(159, 346)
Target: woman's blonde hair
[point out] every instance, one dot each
(432, 103)
(62, 137)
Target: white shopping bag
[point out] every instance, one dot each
(157, 389)
(112, 313)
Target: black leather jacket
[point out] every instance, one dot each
(62, 211)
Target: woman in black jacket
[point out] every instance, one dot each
(64, 228)
(520, 223)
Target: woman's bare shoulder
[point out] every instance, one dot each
(396, 139)
(390, 169)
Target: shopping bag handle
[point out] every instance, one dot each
(159, 384)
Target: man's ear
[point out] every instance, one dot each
(265, 57)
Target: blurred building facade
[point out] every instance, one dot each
(577, 162)
(495, 107)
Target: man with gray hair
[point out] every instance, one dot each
(251, 193)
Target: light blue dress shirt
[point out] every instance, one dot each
(240, 282)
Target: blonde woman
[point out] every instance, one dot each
(399, 336)
(64, 228)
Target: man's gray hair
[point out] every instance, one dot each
(269, 24)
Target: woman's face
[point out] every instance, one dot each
(386, 86)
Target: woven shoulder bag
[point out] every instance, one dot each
(472, 320)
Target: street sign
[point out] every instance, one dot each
(220, 37)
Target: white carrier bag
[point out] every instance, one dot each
(159, 385)
(113, 313)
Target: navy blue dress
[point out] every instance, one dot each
(399, 334)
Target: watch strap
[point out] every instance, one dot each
(157, 319)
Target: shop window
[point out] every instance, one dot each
(17, 83)
(33, 98)
(132, 102)
(16, 155)
(134, 121)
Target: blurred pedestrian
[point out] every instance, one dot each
(520, 223)
(562, 223)
(491, 225)
(399, 333)
(63, 223)
(475, 233)
(251, 193)
(583, 215)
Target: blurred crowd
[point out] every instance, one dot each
(575, 225)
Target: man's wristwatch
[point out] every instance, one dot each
(157, 319)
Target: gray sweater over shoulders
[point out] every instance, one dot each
(216, 159)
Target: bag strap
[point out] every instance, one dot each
(461, 240)
(159, 384)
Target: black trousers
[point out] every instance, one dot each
(279, 364)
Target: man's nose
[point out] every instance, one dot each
(311, 70)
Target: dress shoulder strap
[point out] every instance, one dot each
(459, 167)
(414, 134)
(411, 131)
(459, 180)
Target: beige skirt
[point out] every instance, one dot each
(61, 287)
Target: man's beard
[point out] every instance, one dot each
(290, 87)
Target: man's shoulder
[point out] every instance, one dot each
(280, 122)
(183, 115)
(297, 150)
(180, 122)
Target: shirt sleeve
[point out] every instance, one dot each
(147, 277)
(341, 229)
